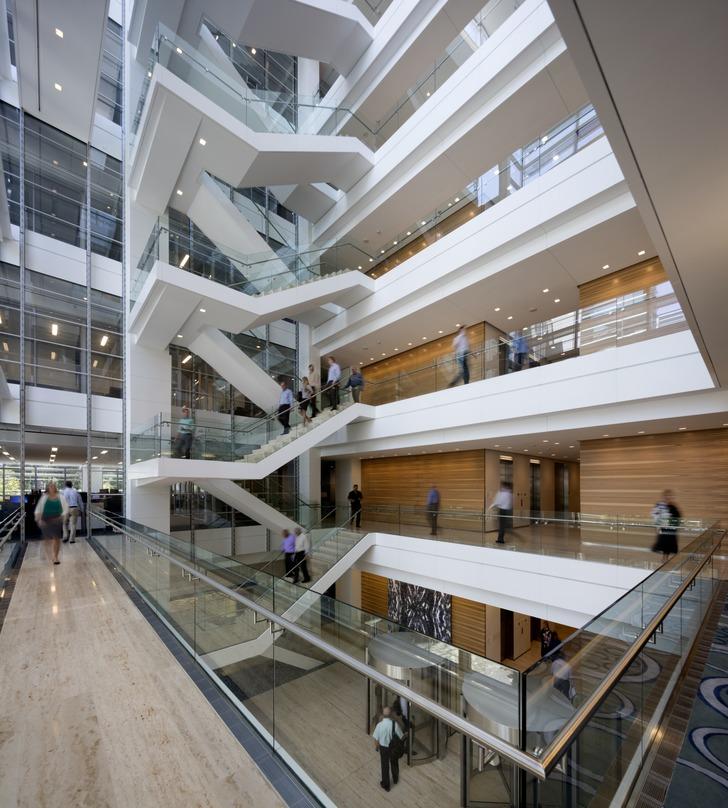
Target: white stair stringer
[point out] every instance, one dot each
(261, 644)
(283, 449)
(247, 503)
(236, 367)
(174, 301)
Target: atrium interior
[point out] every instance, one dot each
(363, 403)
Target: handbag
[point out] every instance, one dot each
(396, 745)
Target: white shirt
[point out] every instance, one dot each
(461, 344)
(503, 500)
(303, 543)
(383, 731)
(73, 498)
(334, 374)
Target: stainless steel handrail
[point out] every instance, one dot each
(522, 759)
(15, 517)
(540, 766)
(557, 748)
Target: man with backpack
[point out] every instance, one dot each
(388, 742)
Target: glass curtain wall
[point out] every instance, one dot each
(57, 332)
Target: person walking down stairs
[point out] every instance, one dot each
(285, 403)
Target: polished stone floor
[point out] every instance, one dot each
(95, 711)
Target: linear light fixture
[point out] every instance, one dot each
(104, 340)
(187, 359)
(54, 329)
(183, 262)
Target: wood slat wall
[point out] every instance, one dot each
(466, 480)
(374, 596)
(418, 361)
(460, 477)
(626, 475)
(468, 625)
(632, 279)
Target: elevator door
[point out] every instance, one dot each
(535, 489)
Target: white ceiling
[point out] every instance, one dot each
(517, 290)
(72, 61)
(656, 70)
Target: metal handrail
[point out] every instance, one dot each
(540, 766)
(15, 516)
(558, 747)
(524, 760)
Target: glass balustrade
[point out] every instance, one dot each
(296, 662)
(250, 440)
(255, 274)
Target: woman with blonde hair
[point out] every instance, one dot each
(49, 514)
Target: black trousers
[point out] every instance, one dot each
(301, 566)
(290, 560)
(356, 515)
(183, 445)
(284, 415)
(433, 522)
(505, 523)
(312, 402)
(334, 396)
(388, 761)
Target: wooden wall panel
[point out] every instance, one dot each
(468, 625)
(626, 475)
(374, 596)
(460, 477)
(632, 279)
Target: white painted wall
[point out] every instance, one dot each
(563, 590)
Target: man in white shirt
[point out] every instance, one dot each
(383, 734)
(285, 405)
(504, 502)
(75, 509)
(303, 550)
(332, 383)
(461, 346)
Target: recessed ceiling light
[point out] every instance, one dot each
(149, 73)
(395, 243)
(58, 87)
(423, 223)
(557, 300)
(605, 436)
(59, 33)
(641, 252)
(203, 311)
(544, 138)
(396, 349)
(556, 443)
(53, 449)
(179, 336)
(179, 192)
(381, 252)
(682, 428)
(509, 188)
(104, 451)
(457, 198)
(95, 457)
(641, 432)
(409, 232)
(497, 308)
(571, 446)
(440, 332)
(253, 51)
(510, 317)
(545, 290)
(606, 266)
(202, 141)
(544, 440)
(555, 157)
(424, 337)
(371, 358)
(383, 354)
(359, 267)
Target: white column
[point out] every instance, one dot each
(348, 472)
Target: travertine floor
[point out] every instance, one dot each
(95, 711)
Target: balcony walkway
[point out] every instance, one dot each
(96, 711)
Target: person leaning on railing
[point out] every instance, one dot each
(185, 435)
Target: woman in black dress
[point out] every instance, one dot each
(667, 516)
